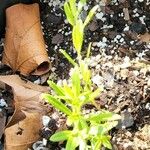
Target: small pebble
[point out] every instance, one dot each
(3, 103)
(99, 15)
(147, 106)
(45, 120)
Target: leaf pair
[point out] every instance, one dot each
(57, 104)
(71, 11)
(98, 142)
(78, 30)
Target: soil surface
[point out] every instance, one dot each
(120, 62)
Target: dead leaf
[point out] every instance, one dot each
(24, 48)
(145, 37)
(23, 128)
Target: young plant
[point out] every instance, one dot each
(89, 131)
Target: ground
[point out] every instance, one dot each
(120, 62)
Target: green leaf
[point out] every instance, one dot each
(77, 34)
(83, 123)
(105, 127)
(68, 91)
(68, 57)
(86, 73)
(88, 50)
(57, 104)
(106, 142)
(109, 125)
(100, 129)
(69, 14)
(72, 143)
(75, 79)
(97, 130)
(94, 94)
(84, 99)
(90, 15)
(65, 98)
(97, 145)
(60, 136)
(93, 130)
(104, 116)
(73, 119)
(56, 88)
(73, 8)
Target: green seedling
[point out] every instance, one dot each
(89, 131)
(72, 11)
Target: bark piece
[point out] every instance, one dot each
(23, 127)
(145, 37)
(24, 48)
(2, 123)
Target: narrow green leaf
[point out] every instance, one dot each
(100, 129)
(73, 8)
(94, 94)
(69, 14)
(83, 123)
(106, 142)
(57, 104)
(109, 125)
(105, 127)
(77, 35)
(104, 116)
(65, 98)
(84, 99)
(72, 143)
(60, 136)
(87, 77)
(90, 15)
(85, 72)
(68, 57)
(68, 91)
(97, 145)
(83, 1)
(56, 88)
(88, 50)
(75, 79)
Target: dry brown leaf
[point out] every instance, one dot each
(145, 37)
(23, 128)
(24, 48)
